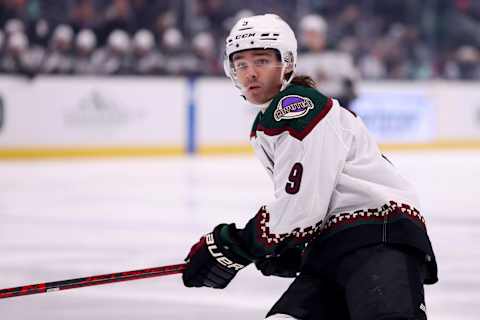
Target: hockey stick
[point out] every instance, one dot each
(91, 281)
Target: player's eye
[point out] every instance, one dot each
(240, 65)
(262, 62)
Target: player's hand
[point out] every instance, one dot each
(211, 263)
(286, 265)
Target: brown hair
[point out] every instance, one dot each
(303, 80)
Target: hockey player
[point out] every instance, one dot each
(344, 222)
(59, 57)
(85, 46)
(333, 70)
(146, 58)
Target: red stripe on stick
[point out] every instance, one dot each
(92, 281)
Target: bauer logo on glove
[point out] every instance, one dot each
(211, 263)
(214, 251)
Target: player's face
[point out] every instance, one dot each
(259, 73)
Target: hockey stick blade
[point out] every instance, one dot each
(91, 281)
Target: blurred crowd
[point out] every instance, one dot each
(371, 39)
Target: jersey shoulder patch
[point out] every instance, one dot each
(296, 110)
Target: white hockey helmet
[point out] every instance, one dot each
(17, 41)
(313, 23)
(14, 25)
(86, 40)
(172, 39)
(144, 40)
(266, 31)
(63, 32)
(119, 40)
(204, 42)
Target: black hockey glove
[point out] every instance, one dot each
(286, 265)
(211, 263)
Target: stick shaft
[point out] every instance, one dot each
(91, 281)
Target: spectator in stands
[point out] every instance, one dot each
(115, 58)
(385, 39)
(347, 23)
(371, 65)
(147, 60)
(395, 58)
(85, 44)
(13, 9)
(418, 56)
(464, 64)
(118, 16)
(164, 21)
(83, 16)
(461, 24)
(59, 57)
(333, 71)
(211, 15)
(145, 12)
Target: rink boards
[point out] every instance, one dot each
(128, 116)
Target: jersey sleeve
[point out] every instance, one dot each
(307, 159)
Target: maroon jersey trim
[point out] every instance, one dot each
(296, 133)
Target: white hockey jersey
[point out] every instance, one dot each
(332, 185)
(334, 167)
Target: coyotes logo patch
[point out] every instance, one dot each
(292, 106)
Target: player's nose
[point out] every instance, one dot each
(252, 73)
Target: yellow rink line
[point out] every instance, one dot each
(131, 151)
(437, 145)
(89, 152)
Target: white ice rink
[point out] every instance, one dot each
(68, 219)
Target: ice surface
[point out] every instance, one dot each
(68, 219)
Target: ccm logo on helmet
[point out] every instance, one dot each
(219, 256)
(245, 35)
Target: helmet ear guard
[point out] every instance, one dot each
(288, 70)
(230, 71)
(289, 61)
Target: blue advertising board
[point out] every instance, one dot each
(397, 116)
